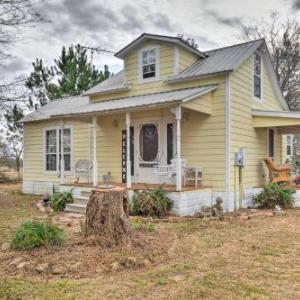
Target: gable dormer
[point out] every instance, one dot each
(154, 58)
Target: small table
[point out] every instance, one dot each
(192, 174)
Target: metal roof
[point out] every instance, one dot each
(161, 38)
(81, 105)
(113, 83)
(220, 60)
(56, 107)
(217, 61)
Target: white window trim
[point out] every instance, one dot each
(157, 64)
(57, 150)
(259, 100)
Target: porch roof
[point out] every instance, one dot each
(285, 121)
(81, 105)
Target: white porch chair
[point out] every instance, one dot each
(169, 170)
(83, 168)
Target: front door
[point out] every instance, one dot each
(154, 146)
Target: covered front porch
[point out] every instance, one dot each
(138, 141)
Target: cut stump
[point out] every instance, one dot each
(107, 215)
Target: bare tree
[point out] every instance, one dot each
(283, 40)
(14, 15)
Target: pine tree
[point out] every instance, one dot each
(70, 75)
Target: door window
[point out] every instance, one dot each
(149, 142)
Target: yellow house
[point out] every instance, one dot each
(171, 108)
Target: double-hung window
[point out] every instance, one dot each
(53, 140)
(148, 64)
(257, 77)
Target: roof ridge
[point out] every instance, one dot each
(235, 45)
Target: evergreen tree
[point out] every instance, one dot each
(14, 134)
(70, 75)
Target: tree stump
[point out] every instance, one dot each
(107, 215)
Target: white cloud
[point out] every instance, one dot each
(113, 24)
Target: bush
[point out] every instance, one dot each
(59, 200)
(151, 203)
(33, 234)
(273, 194)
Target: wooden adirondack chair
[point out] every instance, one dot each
(278, 174)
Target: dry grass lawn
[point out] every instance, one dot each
(240, 258)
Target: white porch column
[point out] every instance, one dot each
(62, 158)
(178, 143)
(95, 163)
(128, 162)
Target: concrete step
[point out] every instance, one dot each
(85, 194)
(82, 201)
(76, 208)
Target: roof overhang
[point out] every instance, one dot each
(285, 121)
(159, 38)
(134, 103)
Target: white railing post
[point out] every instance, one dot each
(178, 143)
(128, 162)
(95, 163)
(62, 158)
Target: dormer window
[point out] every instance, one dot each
(257, 78)
(148, 64)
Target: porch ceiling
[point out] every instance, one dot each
(285, 121)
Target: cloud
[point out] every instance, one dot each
(228, 21)
(296, 4)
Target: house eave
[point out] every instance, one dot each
(197, 77)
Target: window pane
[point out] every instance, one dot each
(257, 65)
(288, 150)
(51, 162)
(67, 140)
(51, 141)
(67, 158)
(257, 87)
(271, 143)
(145, 57)
(149, 142)
(149, 71)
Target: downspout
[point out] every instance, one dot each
(227, 140)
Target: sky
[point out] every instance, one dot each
(115, 23)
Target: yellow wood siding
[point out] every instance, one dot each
(243, 134)
(34, 148)
(203, 138)
(186, 59)
(166, 70)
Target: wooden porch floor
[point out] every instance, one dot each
(142, 186)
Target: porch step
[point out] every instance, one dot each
(76, 208)
(79, 200)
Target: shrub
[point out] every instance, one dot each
(273, 194)
(59, 200)
(151, 203)
(33, 234)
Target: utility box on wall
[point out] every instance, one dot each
(240, 157)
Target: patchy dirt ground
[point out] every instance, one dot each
(244, 257)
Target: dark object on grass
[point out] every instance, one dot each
(45, 200)
(217, 209)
